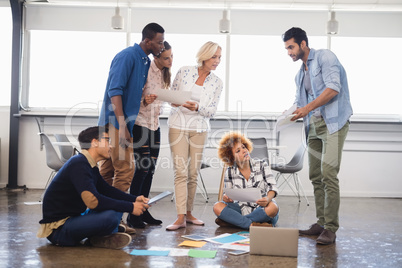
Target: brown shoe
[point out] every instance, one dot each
(314, 229)
(124, 228)
(327, 237)
(223, 223)
(261, 224)
(113, 241)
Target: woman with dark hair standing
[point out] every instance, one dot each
(146, 134)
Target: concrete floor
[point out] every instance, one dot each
(370, 236)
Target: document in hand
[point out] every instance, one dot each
(175, 97)
(159, 197)
(244, 195)
(284, 120)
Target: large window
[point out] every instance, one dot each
(373, 67)
(5, 55)
(70, 68)
(262, 75)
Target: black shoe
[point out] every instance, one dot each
(327, 237)
(314, 229)
(135, 221)
(147, 217)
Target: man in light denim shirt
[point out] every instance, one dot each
(323, 102)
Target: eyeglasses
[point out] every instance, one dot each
(107, 139)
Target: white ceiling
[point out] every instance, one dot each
(355, 5)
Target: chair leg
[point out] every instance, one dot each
(300, 185)
(51, 176)
(203, 190)
(295, 188)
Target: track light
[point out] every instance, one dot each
(332, 25)
(224, 23)
(117, 19)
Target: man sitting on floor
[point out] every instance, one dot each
(77, 186)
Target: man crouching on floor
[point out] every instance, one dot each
(80, 204)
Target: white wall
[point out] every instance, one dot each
(370, 166)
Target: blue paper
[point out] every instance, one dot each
(229, 239)
(140, 252)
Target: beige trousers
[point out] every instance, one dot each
(119, 169)
(187, 148)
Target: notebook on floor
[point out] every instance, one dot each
(274, 241)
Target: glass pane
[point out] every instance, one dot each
(5, 55)
(262, 79)
(373, 77)
(70, 69)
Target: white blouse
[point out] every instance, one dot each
(209, 95)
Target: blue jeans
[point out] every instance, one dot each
(232, 214)
(92, 223)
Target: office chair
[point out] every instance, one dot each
(260, 149)
(289, 171)
(53, 160)
(66, 151)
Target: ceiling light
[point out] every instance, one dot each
(332, 24)
(117, 19)
(224, 23)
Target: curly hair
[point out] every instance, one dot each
(227, 143)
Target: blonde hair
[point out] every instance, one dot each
(206, 52)
(226, 144)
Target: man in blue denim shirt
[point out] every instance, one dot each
(121, 103)
(323, 102)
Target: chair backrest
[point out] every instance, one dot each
(295, 164)
(260, 149)
(52, 158)
(66, 151)
(298, 159)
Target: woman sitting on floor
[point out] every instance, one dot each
(244, 172)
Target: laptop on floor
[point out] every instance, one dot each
(274, 241)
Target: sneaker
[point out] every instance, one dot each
(124, 228)
(327, 237)
(135, 221)
(314, 229)
(121, 228)
(223, 223)
(113, 241)
(147, 217)
(261, 224)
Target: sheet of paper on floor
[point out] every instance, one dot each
(195, 244)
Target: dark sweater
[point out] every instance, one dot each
(77, 186)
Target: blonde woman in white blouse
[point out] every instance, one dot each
(189, 125)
